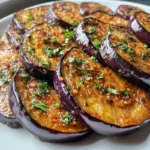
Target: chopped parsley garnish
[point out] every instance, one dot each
(53, 39)
(101, 76)
(85, 103)
(125, 93)
(29, 36)
(96, 86)
(30, 17)
(67, 119)
(12, 71)
(96, 43)
(43, 87)
(143, 56)
(4, 80)
(41, 105)
(143, 101)
(31, 50)
(131, 37)
(87, 77)
(46, 64)
(69, 34)
(75, 23)
(91, 30)
(48, 51)
(112, 90)
(57, 105)
(45, 41)
(26, 77)
(132, 59)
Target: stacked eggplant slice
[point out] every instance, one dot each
(67, 69)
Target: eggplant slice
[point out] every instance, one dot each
(128, 56)
(9, 63)
(106, 18)
(13, 36)
(42, 46)
(91, 7)
(141, 27)
(108, 104)
(126, 11)
(67, 14)
(89, 35)
(41, 112)
(26, 19)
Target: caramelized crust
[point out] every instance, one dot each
(143, 19)
(102, 93)
(68, 12)
(106, 18)
(91, 7)
(28, 18)
(9, 63)
(130, 48)
(55, 113)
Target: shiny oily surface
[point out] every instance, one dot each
(43, 105)
(126, 11)
(102, 93)
(143, 19)
(44, 44)
(68, 12)
(91, 7)
(130, 48)
(106, 18)
(32, 17)
(9, 63)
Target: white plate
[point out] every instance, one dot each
(16, 139)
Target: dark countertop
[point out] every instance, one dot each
(9, 6)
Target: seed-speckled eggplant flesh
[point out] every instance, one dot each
(4, 42)
(103, 94)
(91, 7)
(126, 11)
(67, 12)
(26, 19)
(9, 63)
(106, 18)
(13, 36)
(43, 105)
(44, 44)
(130, 49)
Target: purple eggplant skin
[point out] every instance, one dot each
(139, 31)
(95, 124)
(116, 63)
(85, 43)
(10, 122)
(42, 133)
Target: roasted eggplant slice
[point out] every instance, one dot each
(26, 19)
(9, 63)
(89, 35)
(126, 11)
(140, 25)
(13, 36)
(42, 47)
(66, 13)
(128, 56)
(108, 104)
(38, 108)
(91, 7)
(106, 18)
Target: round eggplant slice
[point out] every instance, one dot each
(38, 108)
(42, 46)
(13, 36)
(89, 35)
(67, 14)
(107, 103)
(140, 25)
(91, 7)
(128, 56)
(26, 19)
(126, 11)
(106, 18)
(9, 63)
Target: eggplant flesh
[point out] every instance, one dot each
(111, 19)
(9, 63)
(66, 13)
(26, 19)
(91, 7)
(139, 24)
(128, 56)
(41, 112)
(94, 93)
(126, 11)
(41, 56)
